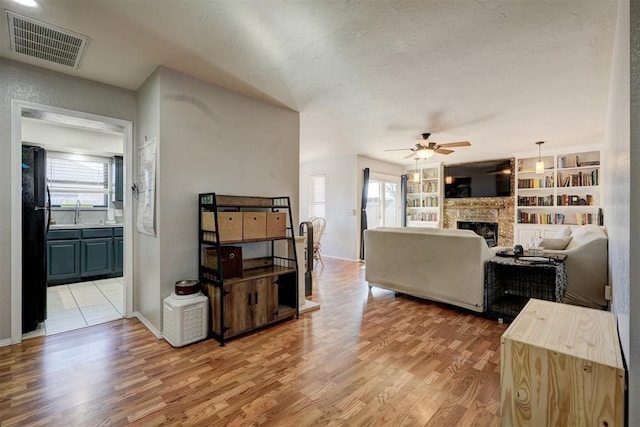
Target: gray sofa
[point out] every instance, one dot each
(437, 264)
(587, 266)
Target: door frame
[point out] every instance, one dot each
(391, 179)
(17, 107)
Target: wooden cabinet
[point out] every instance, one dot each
(266, 291)
(561, 365)
(250, 304)
(567, 192)
(424, 197)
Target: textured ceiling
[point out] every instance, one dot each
(369, 75)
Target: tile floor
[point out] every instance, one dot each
(77, 305)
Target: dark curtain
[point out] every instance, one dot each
(363, 215)
(403, 200)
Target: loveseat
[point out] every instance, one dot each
(438, 264)
(586, 264)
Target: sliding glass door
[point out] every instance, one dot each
(383, 201)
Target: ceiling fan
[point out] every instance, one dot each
(424, 150)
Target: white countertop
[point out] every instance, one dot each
(79, 226)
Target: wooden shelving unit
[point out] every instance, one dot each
(567, 193)
(264, 290)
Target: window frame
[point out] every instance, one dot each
(317, 206)
(105, 191)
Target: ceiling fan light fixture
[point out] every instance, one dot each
(424, 153)
(539, 163)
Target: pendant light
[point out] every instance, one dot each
(416, 174)
(539, 163)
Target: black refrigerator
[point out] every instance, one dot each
(35, 224)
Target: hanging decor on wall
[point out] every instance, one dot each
(146, 187)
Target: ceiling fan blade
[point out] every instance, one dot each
(455, 144)
(441, 151)
(410, 155)
(399, 149)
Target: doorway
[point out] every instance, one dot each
(79, 120)
(383, 201)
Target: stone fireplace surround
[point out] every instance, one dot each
(499, 210)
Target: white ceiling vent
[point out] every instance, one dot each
(44, 41)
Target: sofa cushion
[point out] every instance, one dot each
(563, 232)
(585, 234)
(557, 244)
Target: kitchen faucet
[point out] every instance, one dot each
(76, 217)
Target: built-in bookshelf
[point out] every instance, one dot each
(568, 192)
(424, 197)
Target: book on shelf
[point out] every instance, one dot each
(535, 200)
(541, 218)
(562, 162)
(580, 179)
(422, 216)
(528, 183)
(574, 200)
(585, 218)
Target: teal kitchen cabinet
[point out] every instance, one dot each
(96, 255)
(82, 254)
(96, 252)
(63, 257)
(118, 256)
(118, 179)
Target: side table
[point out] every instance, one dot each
(561, 365)
(509, 283)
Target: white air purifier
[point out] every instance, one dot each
(185, 318)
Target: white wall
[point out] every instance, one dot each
(146, 267)
(343, 192)
(210, 140)
(622, 199)
(57, 137)
(33, 84)
(629, 23)
(340, 204)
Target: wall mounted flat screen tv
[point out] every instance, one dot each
(490, 178)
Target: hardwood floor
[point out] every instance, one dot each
(366, 357)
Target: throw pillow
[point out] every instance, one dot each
(557, 244)
(563, 232)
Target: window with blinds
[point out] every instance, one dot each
(316, 196)
(72, 178)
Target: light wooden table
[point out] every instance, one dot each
(561, 365)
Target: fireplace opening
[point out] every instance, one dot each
(487, 230)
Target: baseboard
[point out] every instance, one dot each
(5, 342)
(341, 258)
(148, 325)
